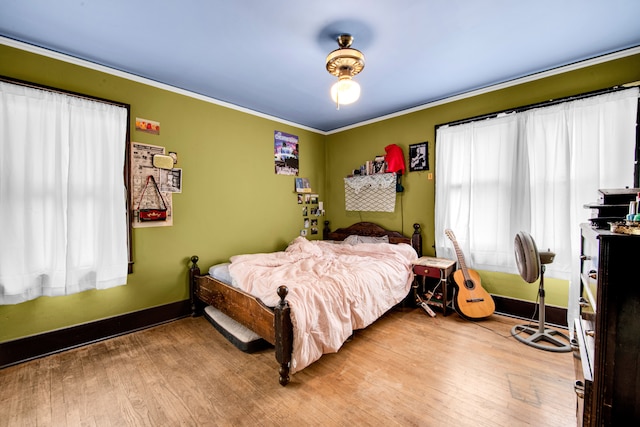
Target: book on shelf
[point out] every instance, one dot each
(368, 166)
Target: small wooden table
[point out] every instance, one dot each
(436, 268)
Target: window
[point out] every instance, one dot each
(532, 170)
(63, 196)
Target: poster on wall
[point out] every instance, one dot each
(285, 150)
(151, 204)
(418, 157)
(148, 126)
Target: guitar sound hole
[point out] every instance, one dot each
(469, 284)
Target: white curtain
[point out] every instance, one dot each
(532, 171)
(62, 194)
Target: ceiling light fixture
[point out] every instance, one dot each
(344, 63)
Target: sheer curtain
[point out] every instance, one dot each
(62, 194)
(475, 191)
(532, 171)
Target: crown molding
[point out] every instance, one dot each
(533, 77)
(118, 73)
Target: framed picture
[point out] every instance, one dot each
(285, 150)
(302, 185)
(418, 157)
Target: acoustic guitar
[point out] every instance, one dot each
(471, 301)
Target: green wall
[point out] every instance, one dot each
(233, 202)
(348, 149)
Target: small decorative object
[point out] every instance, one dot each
(162, 161)
(302, 185)
(418, 157)
(625, 227)
(153, 214)
(148, 126)
(174, 156)
(320, 211)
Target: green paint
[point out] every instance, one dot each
(233, 202)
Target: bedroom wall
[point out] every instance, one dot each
(350, 148)
(232, 200)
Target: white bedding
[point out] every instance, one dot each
(334, 289)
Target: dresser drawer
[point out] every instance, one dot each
(583, 367)
(423, 270)
(589, 277)
(585, 347)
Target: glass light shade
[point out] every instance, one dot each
(345, 91)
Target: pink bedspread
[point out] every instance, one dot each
(334, 289)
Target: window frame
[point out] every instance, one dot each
(125, 172)
(636, 174)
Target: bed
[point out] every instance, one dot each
(267, 299)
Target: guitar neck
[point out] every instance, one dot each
(460, 255)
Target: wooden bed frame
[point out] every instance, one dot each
(274, 324)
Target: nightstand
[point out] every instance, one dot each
(433, 268)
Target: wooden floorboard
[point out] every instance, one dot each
(407, 369)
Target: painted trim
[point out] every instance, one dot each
(533, 77)
(36, 346)
(554, 316)
(40, 345)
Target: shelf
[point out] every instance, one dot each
(607, 206)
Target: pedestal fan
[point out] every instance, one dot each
(531, 265)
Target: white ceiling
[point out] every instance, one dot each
(269, 56)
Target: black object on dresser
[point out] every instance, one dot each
(607, 334)
(612, 205)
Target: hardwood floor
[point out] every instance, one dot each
(407, 369)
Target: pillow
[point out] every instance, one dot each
(355, 239)
(221, 273)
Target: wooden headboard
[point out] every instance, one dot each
(374, 230)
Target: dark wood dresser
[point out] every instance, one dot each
(607, 334)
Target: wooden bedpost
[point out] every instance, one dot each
(284, 335)
(416, 239)
(325, 231)
(193, 272)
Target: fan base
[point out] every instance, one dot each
(542, 338)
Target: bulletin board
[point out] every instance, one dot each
(372, 193)
(141, 168)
